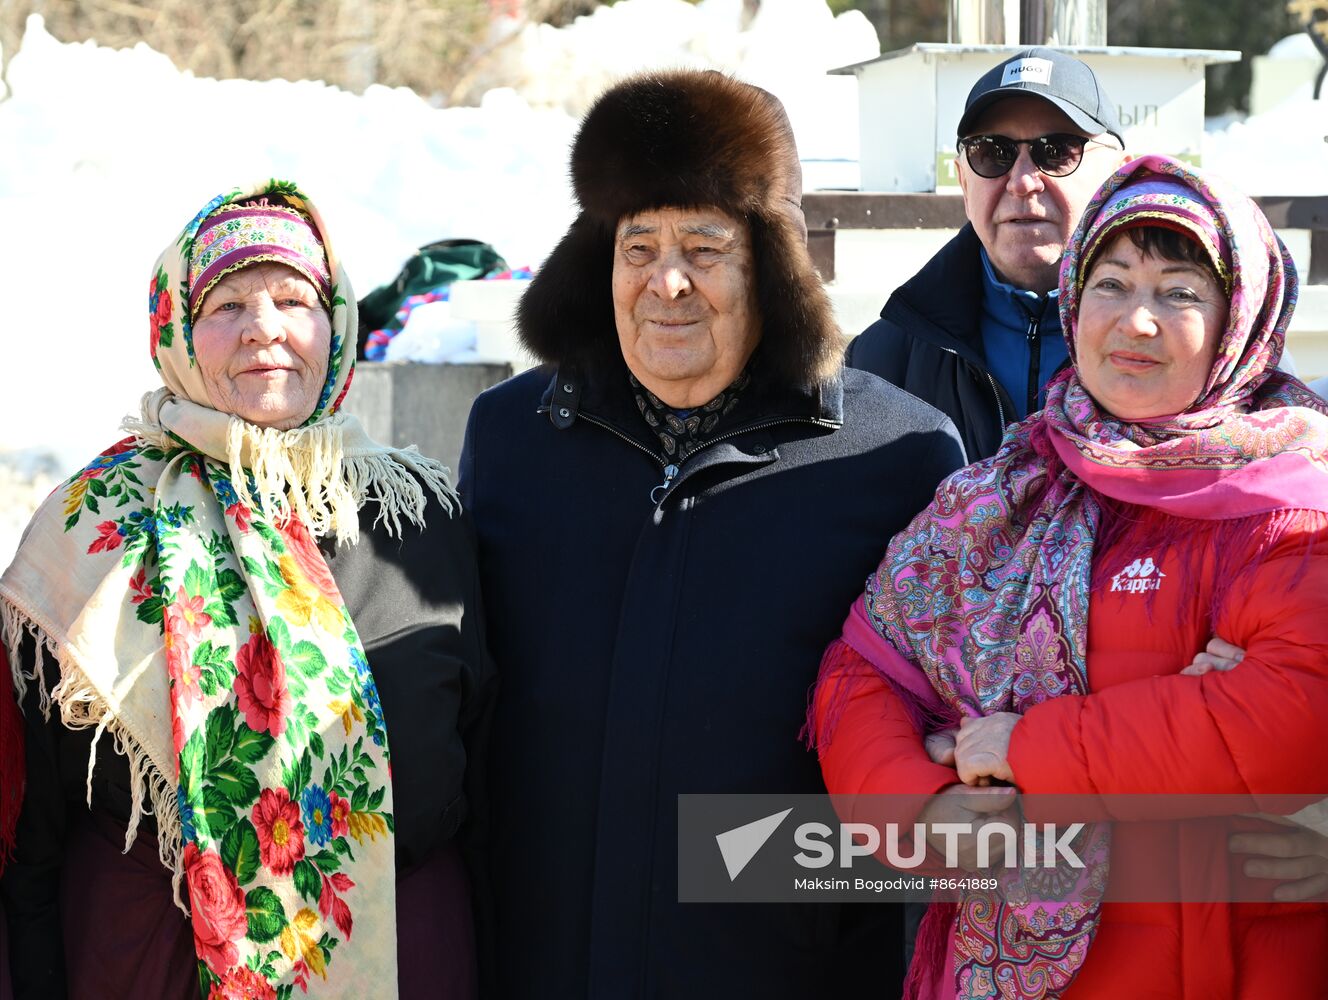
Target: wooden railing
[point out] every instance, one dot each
(829, 211)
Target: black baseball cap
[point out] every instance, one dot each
(1054, 76)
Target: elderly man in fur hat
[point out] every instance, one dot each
(674, 513)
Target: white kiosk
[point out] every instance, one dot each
(910, 100)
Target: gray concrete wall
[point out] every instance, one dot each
(403, 403)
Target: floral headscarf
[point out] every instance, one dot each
(177, 584)
(986, 593)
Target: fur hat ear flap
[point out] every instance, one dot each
(566, 315)
(800, 340)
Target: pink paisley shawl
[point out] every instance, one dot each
(987, 591)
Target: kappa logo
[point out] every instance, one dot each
(1140, 576)
(1027, 71)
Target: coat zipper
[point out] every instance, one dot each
(670, 481)
(670, 470)
(1034, 361)
(1034, 337)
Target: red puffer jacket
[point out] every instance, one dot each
(1145, 728)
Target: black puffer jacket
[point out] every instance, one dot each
(928, 341)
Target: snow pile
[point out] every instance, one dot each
(1284, 150)
(1280, 152)
(105, 153)
(786, 47)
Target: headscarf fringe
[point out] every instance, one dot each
(81, 707)
(145, 429)
(308, 473)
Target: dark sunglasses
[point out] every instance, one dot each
(1057, 155)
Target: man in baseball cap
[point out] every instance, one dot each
(977, 332)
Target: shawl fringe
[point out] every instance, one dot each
(834, 686)
(930, 949)
(321, 474)
(309, 473)
(842, 669)
(144, 430)
(81, 707)
(13, 624)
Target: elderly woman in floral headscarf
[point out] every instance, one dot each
(1049, 601)
(255, 604)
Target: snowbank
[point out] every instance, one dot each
(1282, 151)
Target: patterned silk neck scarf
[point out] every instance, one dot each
(987, 591)
(682, 434)
(177, 584)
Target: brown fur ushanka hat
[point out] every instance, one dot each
(684, 139)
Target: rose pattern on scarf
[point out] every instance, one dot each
(218, 915)
(160, 309)
(234, 825)
(302, 829)
(302, 548)
(339, 810)
(261, 688)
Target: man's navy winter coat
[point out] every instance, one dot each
(929, 342)
(653, 642)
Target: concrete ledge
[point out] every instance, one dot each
(403, 403)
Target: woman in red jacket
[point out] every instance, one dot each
(1046, 603)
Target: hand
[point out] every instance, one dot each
(1218, 655)
(1298, 856)
(982, 747)
(977, 807)
(940, 747)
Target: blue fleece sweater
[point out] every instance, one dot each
(1021, 332)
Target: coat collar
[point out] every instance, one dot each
(608, 400)
(944, 299)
